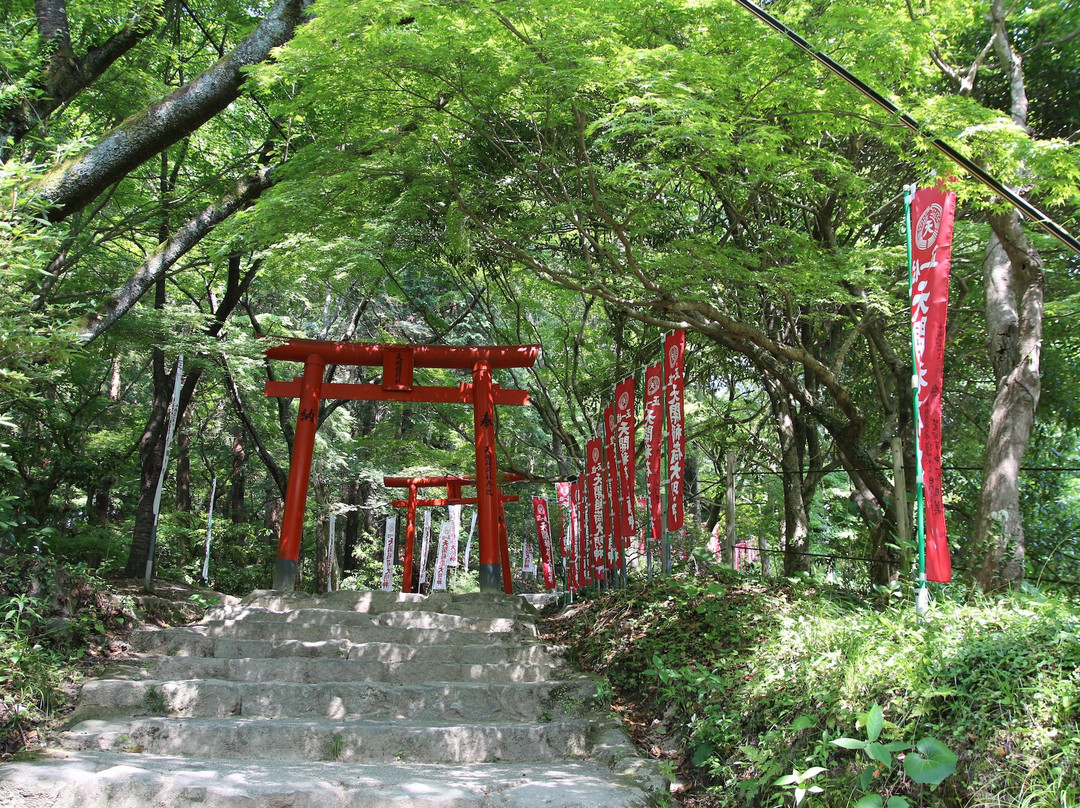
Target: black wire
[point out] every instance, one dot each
(1033, 214)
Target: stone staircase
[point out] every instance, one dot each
(348, 700)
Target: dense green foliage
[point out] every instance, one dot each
(755, 685)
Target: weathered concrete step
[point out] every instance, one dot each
(194, 642)
(474, 604)
(345, 741)
(412, 620)
(314, 669)
(280, 630)
(482, 703)
(85, 779)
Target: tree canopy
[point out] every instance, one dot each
(181, 177)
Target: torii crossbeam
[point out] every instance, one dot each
(453, 485)
(397, 362)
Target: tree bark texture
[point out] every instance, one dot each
(75, 183)
(1014, 288)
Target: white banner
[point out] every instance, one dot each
(455, 534)
(528, 565)
(425, 546)
(468, 543)
(439, 580)
(388, 554)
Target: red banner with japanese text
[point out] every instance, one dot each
(674, 348)
(581, 531)
(612, 465)
(562, 502)
(594, 473)
(653, 406)
(573, 576)
(543, 538)
(626, 432)
(933, 211)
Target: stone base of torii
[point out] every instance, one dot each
(397, 362)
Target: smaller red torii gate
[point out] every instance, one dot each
(397, 362)
(453, 485)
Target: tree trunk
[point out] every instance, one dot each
(1014, 287)
(77, 182)
(238, 478)
(796, 519)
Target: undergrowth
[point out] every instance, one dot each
(746, 689)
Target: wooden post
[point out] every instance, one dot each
(900, 503)
(487, 495)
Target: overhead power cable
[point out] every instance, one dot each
(1032, 213)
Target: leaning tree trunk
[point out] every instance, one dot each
(796, 519)
(1014, 309)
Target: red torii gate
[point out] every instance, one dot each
(397, 362)
(453, 485)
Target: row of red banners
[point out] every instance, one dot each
(599, 519)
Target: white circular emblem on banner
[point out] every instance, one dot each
(595, 455)
(624, 401)
(673, 355)
(926, 231)
(654, 385)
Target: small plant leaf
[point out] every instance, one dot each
(813, 771)
(869, 801)
(849, 743)
(879, 753)
(786, 780)
(898, 802)
(875, 721)
(932, 766)
(866, 776)
(802, 722)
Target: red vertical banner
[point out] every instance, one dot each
(614, 496)
(932, 213)
(562, 502)
(674, 348)
(653, 413)
(543, 538)
(582, 549)
(626, 430)
(594, 473)
(572, 531)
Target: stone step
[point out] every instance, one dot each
(412, 620)
(280, 631)
(195, 642)
(475, 604)
(314, 669)
(83, 779)
(344, 741)
(532, 702)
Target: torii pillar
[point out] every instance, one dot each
(453, 486)
(398, 362)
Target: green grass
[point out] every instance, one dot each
(758, 682)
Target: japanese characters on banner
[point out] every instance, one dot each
(562, 501)
(674, 347)
(528, 565)
(388, 554)
(584, 572)
(543, 539)
(425, 546)
(931, 227)
(455, 534)
(653, 404)
(594, 473)
(626, 436)
(611, 445)
(441, 557)
(575, 556)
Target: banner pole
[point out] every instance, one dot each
(922, 599)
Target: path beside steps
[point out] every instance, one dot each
(348, 700)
